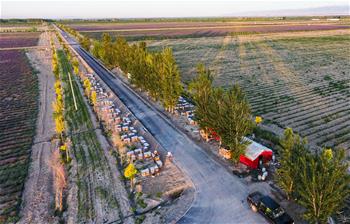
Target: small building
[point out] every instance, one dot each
(254, 153)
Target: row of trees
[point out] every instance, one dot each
(91, 94)
(225, 112)
(57, 105)
(153, 72)
(59, 175)
(317, 181)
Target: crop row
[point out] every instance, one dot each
(18, 40)
(18, 112)
(299, 82)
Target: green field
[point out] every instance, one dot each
(94, 175)
(300, 82)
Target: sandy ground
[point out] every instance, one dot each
(38, 192)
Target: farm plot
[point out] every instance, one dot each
(8, 40)
(298, 82)
(139, 31)
(18, 112)
(96, 196)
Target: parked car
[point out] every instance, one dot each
(269, 208)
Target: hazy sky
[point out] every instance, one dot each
(148, 8)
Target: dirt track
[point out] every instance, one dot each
(38, 193)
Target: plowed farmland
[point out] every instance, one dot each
(18, 110)
(139, 31)
(300, 81)
(8, 40)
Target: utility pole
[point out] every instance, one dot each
(71, 86)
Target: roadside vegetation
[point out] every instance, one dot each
(92, 169)
(155, 73)
(225, 112)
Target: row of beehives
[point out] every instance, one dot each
(184, 108)
(123, 125)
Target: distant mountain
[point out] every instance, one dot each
(320, 11)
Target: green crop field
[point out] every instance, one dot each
(301, 82)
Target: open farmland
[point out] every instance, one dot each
(139, 31)
(300, 82)
(18, 110)
(8, 40)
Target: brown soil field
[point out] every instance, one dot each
(135, 31)
(8, 40)
(18, 110)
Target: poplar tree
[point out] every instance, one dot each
(231, 118)
(201, 89)
(75, 64)
(291, 150)
(323, 184)
(171, 81)
(85, 42)
(106, 54)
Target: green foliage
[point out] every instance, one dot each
(324, 185)
(292, 148)
(85, 42)
(225, 112)
(170, 80)
(231, 117)
(156, 73)
(318, 181)
(201, 90)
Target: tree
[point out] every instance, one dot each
(64, 148)
(75, 64)
(59, 124)
(57, 107)
(230, 114)
(201, 90)
(55, 67)
(130, 173)
(93, 98)
(258, 119)
(97, 49)
(171, 81)
(85, 43)
(155, 69)
(291, 150)
(87, 85)
(107, 53)
(324, 184)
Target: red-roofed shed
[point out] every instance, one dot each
(254, 153)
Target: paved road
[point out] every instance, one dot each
(220, 196)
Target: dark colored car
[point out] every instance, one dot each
(269, 208)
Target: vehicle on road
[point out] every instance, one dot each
(269, 208)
